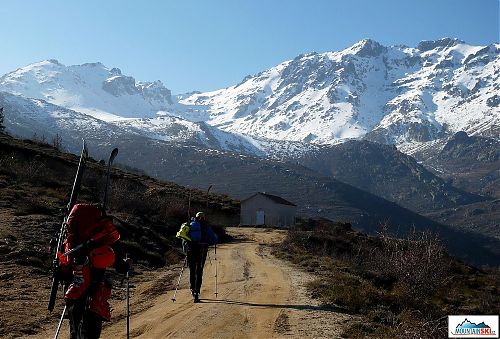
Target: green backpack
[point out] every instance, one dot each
(184, 232)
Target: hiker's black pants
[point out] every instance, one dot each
(83, 323)
(196, 256)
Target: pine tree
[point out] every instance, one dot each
(2, 127)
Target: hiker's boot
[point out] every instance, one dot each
(80, 283)
(196, 298)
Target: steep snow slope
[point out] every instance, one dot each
(177, 130)
(28, 117)
(91, 88)
(454, 90)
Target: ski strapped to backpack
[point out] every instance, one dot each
(112, 157)
(189, 207)
(61, 236)
(106, 237)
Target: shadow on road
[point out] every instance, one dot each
(321, 308)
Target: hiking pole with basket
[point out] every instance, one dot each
(215, 255)
(215, 259)
(189, 207)
(60, 323)
(127, 276)
(127, 293)
(179, 280)
(208, 192)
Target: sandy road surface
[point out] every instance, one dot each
(259, 297)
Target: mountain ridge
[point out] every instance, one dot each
(394, 95)
(386, 94)
(90, 88)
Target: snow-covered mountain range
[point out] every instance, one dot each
(392, 94)
(397, 95)
(90, 88)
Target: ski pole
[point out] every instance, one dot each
(209, 257)
(60, 323)
(189, 207)
(215, 259)
(179, 280)
(127, 276)
(208, 196)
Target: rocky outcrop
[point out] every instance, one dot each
(120, 85)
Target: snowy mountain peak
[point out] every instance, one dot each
(93, 64)
(367, 48)
(391, 94)
(91, 88)
(115, 71)
(54, 61)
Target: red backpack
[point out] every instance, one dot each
(86, 222)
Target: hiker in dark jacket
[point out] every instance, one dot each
(201, 236)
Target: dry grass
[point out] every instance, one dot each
(405, 288)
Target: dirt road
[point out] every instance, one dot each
(259, 297)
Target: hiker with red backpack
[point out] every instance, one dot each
(195, 244)
(81, 255)
(92, 233)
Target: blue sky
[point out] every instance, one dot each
(207, 45)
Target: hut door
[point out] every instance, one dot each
(260, 217)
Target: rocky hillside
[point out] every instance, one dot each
(469, 162)
(27, 117)
(315, 194)
(386, 172)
